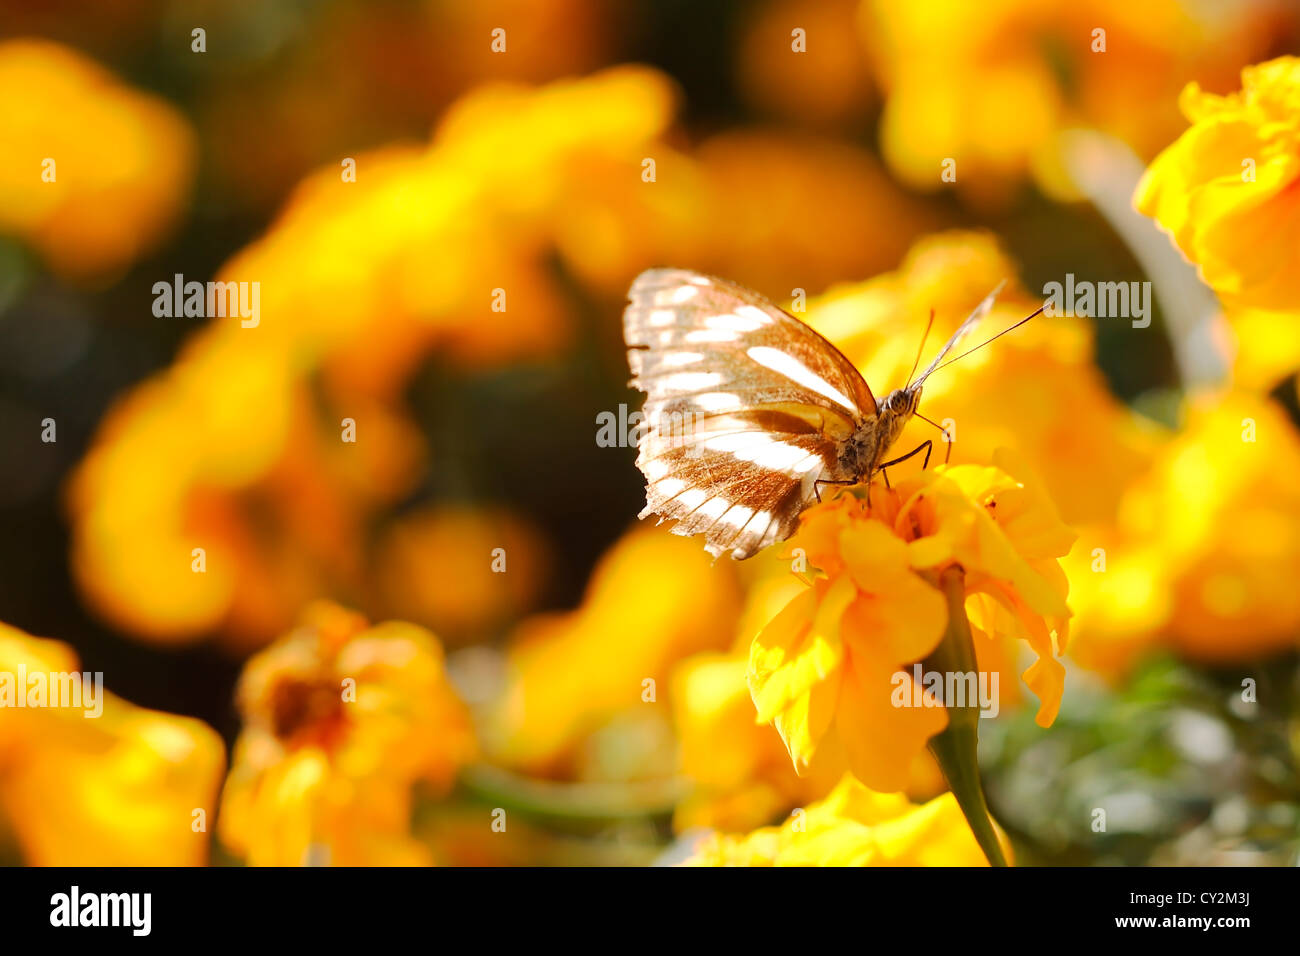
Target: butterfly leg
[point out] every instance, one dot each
(948, 441)
(928, 445)
(827, 481)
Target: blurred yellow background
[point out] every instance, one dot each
(390, 474)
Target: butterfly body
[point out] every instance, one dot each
(748, 410)
(863, 454)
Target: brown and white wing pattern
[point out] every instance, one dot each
(746, 408)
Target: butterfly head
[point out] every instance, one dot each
(893, 412)
(903, 402)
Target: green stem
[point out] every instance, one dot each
(956, 749)
(572, 801)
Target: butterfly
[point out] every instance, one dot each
(748, 410)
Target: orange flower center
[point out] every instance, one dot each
(307, 711)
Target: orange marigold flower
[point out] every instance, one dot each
(1228, 190)
(569, 674)
(463, 600)
(740, 769)
(828, 667)
(118, 789)
(989, 86)
(1206, 547)
(93, 172)
(822, 202)
(832, 88)
(1263, 346)
(236, 447)
(855, 826)
(341, 720)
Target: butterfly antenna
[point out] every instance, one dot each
(1033, 314)
(920, 348)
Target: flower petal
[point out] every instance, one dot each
(879, 739)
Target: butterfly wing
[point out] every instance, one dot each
(746, 408)
(972, 320)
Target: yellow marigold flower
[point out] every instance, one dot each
(1263, 346)
(855, 826)
(1228, 190)
(741, 770)
(819, 220)
(826, 666)
(1206, 548)
(568, 674)
(341, 720)
(1121, 595)
(463, 600)
(989, 86)
(236, 448)
(123, 788)
(93, 172)
(741, 774)
(829, 87)
(1037, 390)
